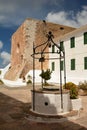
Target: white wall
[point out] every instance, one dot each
(50, 103)
(78, 53)
(55, 76)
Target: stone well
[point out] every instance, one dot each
(49, 102)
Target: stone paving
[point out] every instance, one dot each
(14, 105)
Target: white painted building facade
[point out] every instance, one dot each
(75, 58)
(75, 44)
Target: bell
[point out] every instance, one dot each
(42, 59)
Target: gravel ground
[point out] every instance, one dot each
(14, 113)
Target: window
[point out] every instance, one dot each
(85, 62)
(72, 64)
(61, 46)
(61, 28)
(85, 38)
(61, 65)
(18, 48)
(53, 48)
(53, 66)
(21, 57)
(72, 42)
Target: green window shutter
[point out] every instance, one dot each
(61, 65)
(85, 38)
(53, 66)
(53, 48)
(72, 42)
(85, 62)
(72, 64)
(61, 45)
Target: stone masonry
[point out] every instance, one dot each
(31, 31)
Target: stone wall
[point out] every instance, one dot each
(49, 102)
(31, 31)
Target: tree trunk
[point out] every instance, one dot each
(45, 82)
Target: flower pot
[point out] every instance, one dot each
(76, 104)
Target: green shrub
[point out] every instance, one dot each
(29, 81)
(46, 75)
(29, 77)
(73, 90)
(0, 72)
(1, 82)
(83, 85)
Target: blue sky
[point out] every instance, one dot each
(14, 12)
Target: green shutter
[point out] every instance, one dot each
(53, 48)
(72, 42)
(72, 64)
(85, 38)
(85, 62)
(53, 66)
(61, 46)
(61, 65)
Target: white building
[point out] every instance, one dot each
(75, 44)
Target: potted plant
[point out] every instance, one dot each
(73, 90)
(76, 102)
(82, 88)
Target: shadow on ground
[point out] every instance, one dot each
(13, 117)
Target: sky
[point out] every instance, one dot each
(14, 12)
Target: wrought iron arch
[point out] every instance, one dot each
(60, 52)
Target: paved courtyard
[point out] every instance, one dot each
(14, 113)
